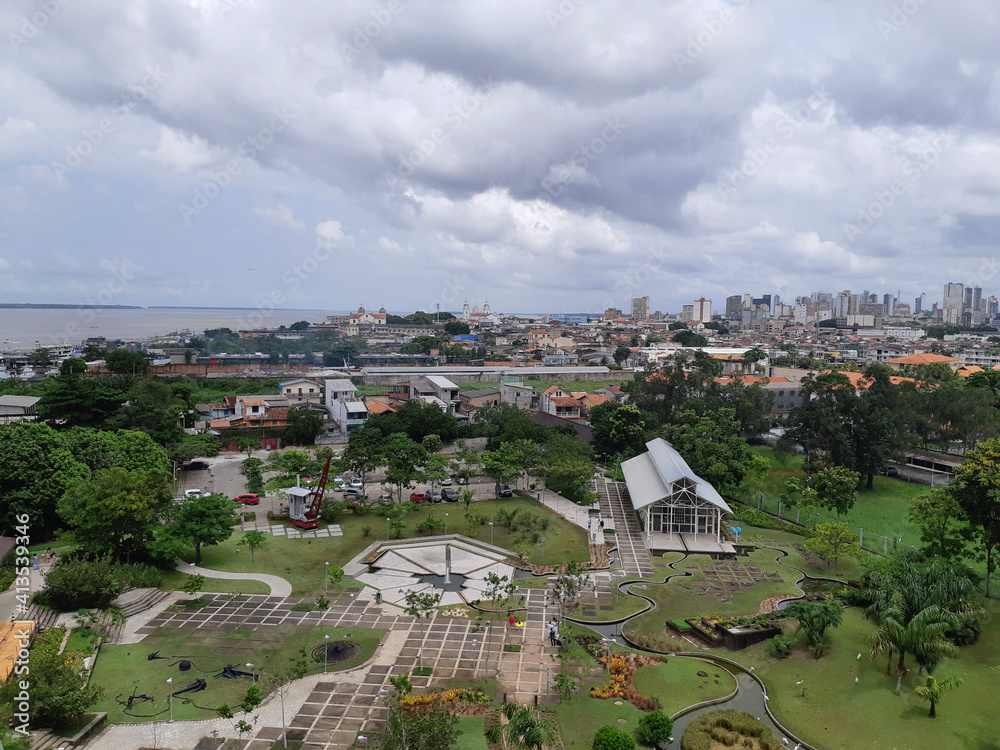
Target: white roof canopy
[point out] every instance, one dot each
(651, 477)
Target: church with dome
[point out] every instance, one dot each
(474, 316)
(362, 317)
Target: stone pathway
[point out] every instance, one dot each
(615, 502)
(279, 586)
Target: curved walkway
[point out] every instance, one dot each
(279, 586)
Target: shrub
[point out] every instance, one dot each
(82, 584)
(781, 646)
(658, 643)
(366, 531)
(727, 727)
(612, 738)
(755, 517)
(654, 728)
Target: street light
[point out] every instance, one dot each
(170, 697)
(445, 523)
(326, 578)
(388, 525)
(250, 667)
(383, 692)
(491, 532)
(326, 651)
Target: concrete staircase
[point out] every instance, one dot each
(44, 618)
(132, 603)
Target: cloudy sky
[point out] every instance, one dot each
(549, 155)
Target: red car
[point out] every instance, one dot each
(250, 498)
(418, 497)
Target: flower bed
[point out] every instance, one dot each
(735, 633)
(622, 668)
(459, 700)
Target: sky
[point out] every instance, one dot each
(546, 155)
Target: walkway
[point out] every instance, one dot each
(616, 503)
(279, 586)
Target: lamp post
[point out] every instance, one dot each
(383, 692)
(170, 697)
(388, 525)
(250, 667)
(445, 523)
(491, 532)
(326, 578)
(326, 651)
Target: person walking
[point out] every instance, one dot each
(555, 634)
(551, 628)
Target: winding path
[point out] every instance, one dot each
(279, 586)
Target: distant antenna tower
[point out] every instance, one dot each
(438, 317)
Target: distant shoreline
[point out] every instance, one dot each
(57, 306)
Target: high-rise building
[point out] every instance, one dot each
(640, 308)
(953, 304)
(734, 307)
(702, 310)
(920, 304)
(686, 314)
(612, 313)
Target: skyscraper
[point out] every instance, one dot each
(734, 307)
(640, 308)
(702, 312)
(953, 304)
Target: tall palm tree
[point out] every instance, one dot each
(922, 636)
(524, 730)
(933, 689)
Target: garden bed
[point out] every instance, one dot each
(735, 634)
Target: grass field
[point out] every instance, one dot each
(882, 510)
(676, 683)
(300, 561)
(473, 736)
(837, 712)
(174, 579)
(120, 670)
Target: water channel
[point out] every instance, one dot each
(750, 695)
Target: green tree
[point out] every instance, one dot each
(621, 354)
(252, 540)
(202, 522)
(456, 328)
(942, 524)
(60, 695)
(420, 604)
(612, 738)
(569, 585)
(152, 408)
(126, 362)
(508, 462)
(247, 445)
(689, 339)
(525, 729)
(836, 488)
(125, 449)
(36, 468)
(628, 430)
(428, 729)
(303, 427)
(193, 584)
(712, 447)
(831, 541)
(933, 689)
(655, 728)
(976, 488)
(403, 458)
(814, 620)
(363, 453)
(70, 400)
(116, 511)
(923, 635)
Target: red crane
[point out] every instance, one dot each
(307, 516)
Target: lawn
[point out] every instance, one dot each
(675, 682)
(881, 510)
(120, 670)
(174, 579)
(838, 712)
(300, 561)
(81, 641)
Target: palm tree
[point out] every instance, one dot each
(524, 730)
(933, 689)
(922, 636)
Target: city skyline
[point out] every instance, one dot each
(251, 154)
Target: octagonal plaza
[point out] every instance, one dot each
(395, 567)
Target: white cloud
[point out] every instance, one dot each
(280, 216)
(178, 151)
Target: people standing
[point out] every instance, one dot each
(551, 628)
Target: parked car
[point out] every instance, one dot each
(461, 480)
(449, 495)
(248, 498)
(356, 483)
(353, 493)
(196, 466)
(338, 482)
(433, 496)
(385, 498)
(189, 494)
(888, 471)
(504, 491)
(418, 497)
(446, 482)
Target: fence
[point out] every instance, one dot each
(877, 543)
